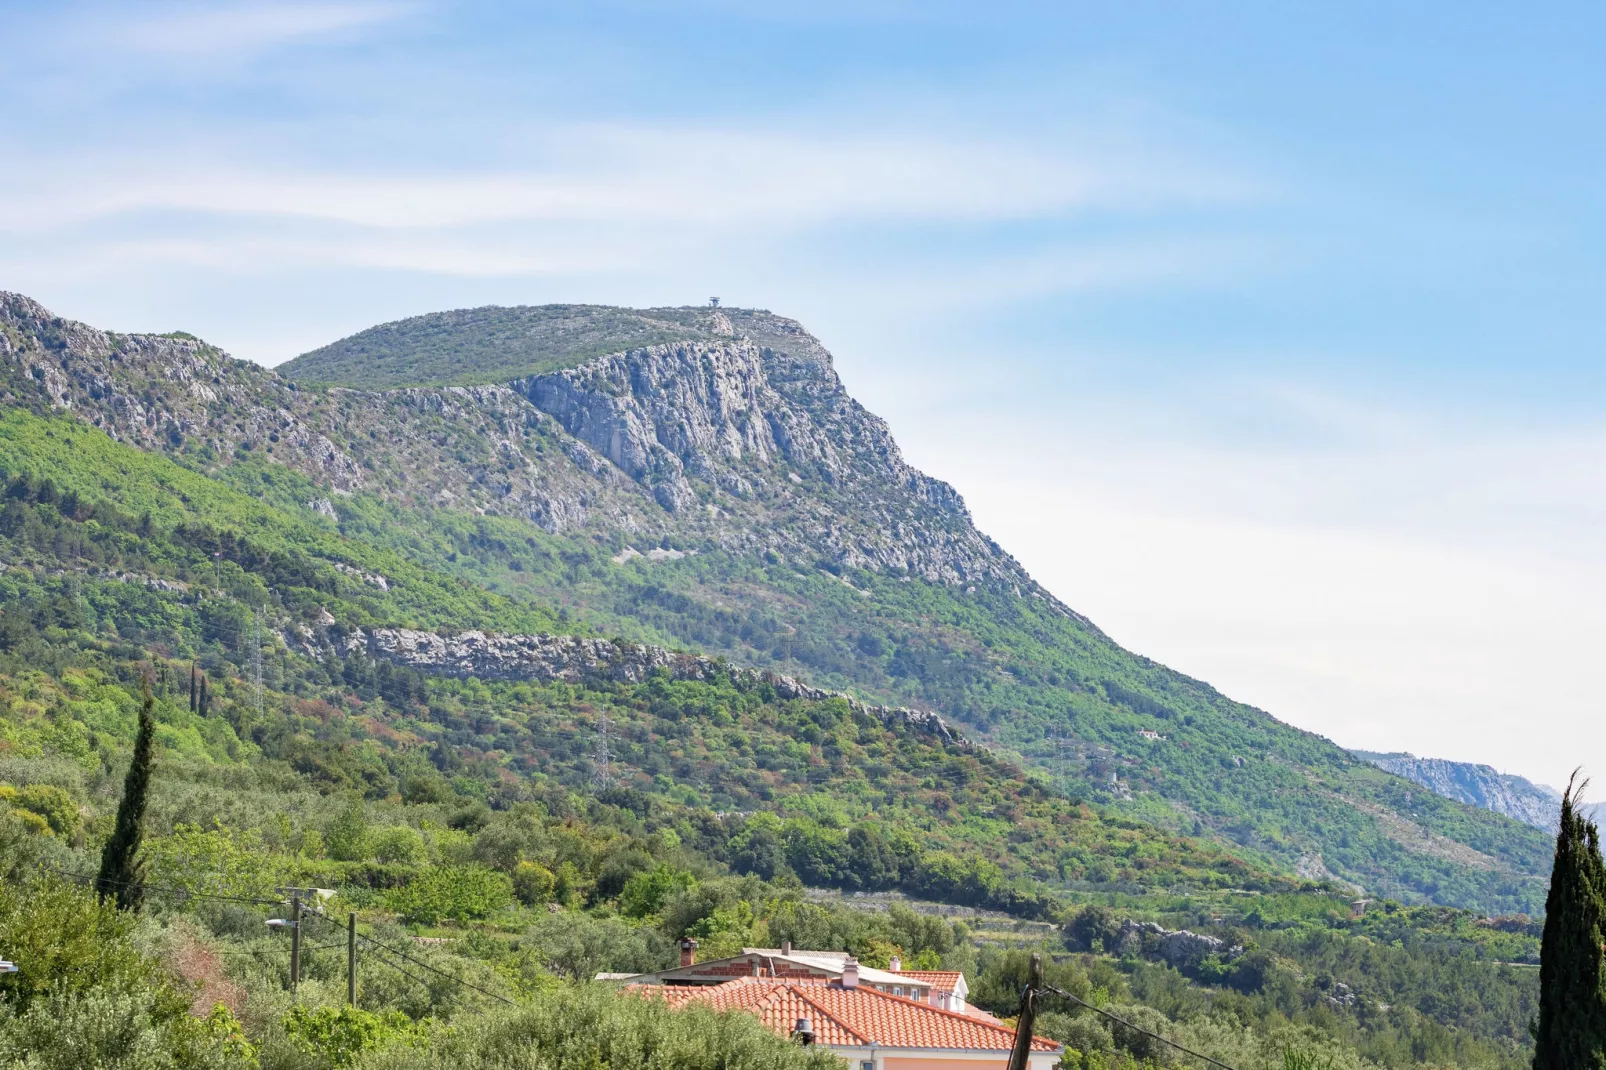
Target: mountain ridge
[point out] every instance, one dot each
(788, 534)
(1479, 785)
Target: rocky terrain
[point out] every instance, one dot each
(741, 437)
(578, 659)
(1477, 785)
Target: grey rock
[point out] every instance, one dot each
(742, 438)
(1478, 785)
(1177, 947)
(582, 659)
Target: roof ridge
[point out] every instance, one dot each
(939, 1010)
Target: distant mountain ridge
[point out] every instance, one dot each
(1477, 785)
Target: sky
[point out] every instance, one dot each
(1269, 336)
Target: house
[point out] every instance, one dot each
(874, 1019)
(1151, 735)
(943, 989)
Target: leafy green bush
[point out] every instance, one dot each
(54, 805)
(340, 1035)
(84, 996)
(458, 893)
(645, 893)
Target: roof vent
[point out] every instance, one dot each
(804, 1032)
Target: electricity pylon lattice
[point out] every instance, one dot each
(602, 778)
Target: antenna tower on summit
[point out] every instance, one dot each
(713, 302)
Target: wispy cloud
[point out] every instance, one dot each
(687, 175)
(219, 30)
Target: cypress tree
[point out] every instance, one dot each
(193, 696)
(121, 870)
(1571, 1031)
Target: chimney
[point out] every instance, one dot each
(688, 951)
(895, 965)
(786, 947)
(850, 973)
(804, 1032)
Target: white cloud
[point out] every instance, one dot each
(691, 175)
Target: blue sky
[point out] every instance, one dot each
(1270, 338)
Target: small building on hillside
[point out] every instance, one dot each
(875, 1019)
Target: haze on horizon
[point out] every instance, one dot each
(1271, 342)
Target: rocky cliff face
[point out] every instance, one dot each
(580, 659)
(1477, 785)
(743, 438)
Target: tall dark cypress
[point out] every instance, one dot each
(193, 696)
(121, 870)
(1571, 1032)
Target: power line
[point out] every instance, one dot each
(159, 889)
(419, 962)
(1135, 1028)
(184, 893)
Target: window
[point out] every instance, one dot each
(867, 1064)
(897, 990)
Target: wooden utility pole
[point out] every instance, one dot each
(351, 958)
(1028, 1015)
(295, 940)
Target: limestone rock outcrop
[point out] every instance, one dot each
(742, 438)
(583, 659)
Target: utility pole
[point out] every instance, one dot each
(295, 940)
(351, 958)
(1022, 1050)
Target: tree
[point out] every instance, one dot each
(1571, 1032)
(121, 869)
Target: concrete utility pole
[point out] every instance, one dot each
(351, 958)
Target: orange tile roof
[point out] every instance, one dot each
(942, 980)
(848, 1017)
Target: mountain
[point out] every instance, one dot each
(720, 491)
(1477, 785)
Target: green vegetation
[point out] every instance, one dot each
(1571, 1030)
(478, 816)
(121, 877)
(1048, 689)
(492, 344)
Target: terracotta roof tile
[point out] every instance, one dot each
(848, 1017)
(942, 980)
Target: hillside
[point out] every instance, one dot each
(517, 812)
(723, 492)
